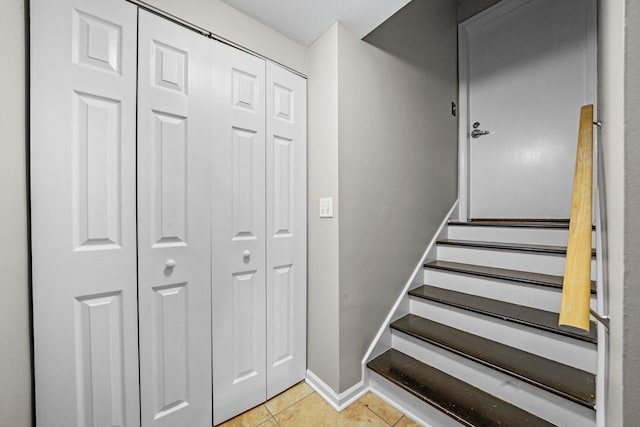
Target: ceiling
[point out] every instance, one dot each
(305, 20)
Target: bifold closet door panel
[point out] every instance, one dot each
(238, 232)
(83, 124)
(83, 62)
(174, 152)
(286, 229)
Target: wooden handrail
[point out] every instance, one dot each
(576, 288)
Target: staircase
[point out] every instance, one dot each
(480, 344)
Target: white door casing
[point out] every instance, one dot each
(83, 124)
(174, 150)
(238, 232)
(526, 67)
(286, 214)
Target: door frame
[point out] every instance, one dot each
(464, 160)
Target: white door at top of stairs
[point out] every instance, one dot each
(201, 106)
(526, 68)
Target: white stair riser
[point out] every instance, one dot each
(428, 415)
(566, 350)
(544, 298)
(533, 236)
(543, 404)
(524, 261)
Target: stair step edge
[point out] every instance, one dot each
(578, 386)
(502, 310)
(526, 277)
(548, 224)
(512, 247)
(471, 406)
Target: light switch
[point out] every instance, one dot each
(326, 207)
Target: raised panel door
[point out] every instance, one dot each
(174, 152)
(83, 122)
(238, 233)
(286, 234)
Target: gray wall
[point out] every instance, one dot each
(468, 8)
(631, 361)
(397, 162)
(323, 308)
(15, 365)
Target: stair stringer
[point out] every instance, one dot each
(602, 376)
(382, 339)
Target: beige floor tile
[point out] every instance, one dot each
(271, 422)
(358, 414)
(288, 398)
(311, 409)
(251, 418)
(381, 408)
(406, 422)
(314, 411)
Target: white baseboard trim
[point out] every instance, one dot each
(337, 401)
(419, 268)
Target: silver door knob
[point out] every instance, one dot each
(477, 133)
(246, 254)
(170, 263)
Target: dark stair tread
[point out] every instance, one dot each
(566, 381)
(514, 223)
(540, 319)
(519, 247)
(502, 274)
(459, 400)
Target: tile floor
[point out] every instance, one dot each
(300, 406)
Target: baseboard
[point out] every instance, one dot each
(403, 294)
(337, 401)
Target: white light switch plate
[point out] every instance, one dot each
(326, 207)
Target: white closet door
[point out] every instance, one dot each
(238, 233)
(286, 229)
(174, 152)
(83, 121)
